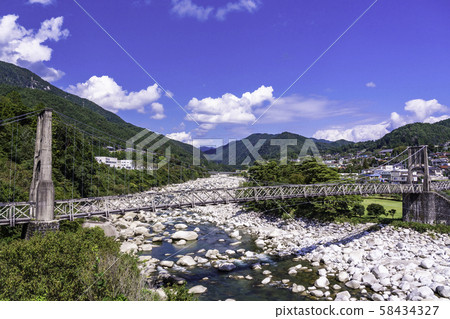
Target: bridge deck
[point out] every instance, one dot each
(19, 213)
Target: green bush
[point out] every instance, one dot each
(358, 210)
(375, 210)
(75, 264)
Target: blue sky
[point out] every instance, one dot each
(222, 66)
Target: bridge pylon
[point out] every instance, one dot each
(42, 191)
(418, 159)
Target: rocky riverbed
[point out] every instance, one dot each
(308, 260)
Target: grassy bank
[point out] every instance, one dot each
(386, 203)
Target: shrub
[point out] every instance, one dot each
(75, 264)
(375, 210)
(358, 210)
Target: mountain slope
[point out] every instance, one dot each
(35, 91)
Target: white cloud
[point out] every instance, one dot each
(44, 2)
(371, 85)
(111, 96)
(418, 111)
(184, 137)
(187, 8)
(296, 107)
(25, 47)
(242, 5)
(229, 108)
(158, 111)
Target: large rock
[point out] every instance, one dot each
(158, 227)
(380, 271)
(146, 247)
(427, 263)
(443, 291)
(353, 284)
(197, 290)
(142, 231)
(128, 247)
(180, 226)
(375, 255)
(166, 263)
(186, 261)
(342, 296)
(343, 276)
(186, 235)
(321, 282)
(108, 228)
(227, 267)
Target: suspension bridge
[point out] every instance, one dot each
(421, 201)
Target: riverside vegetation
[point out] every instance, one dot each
(72, 264)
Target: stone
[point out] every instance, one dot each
(260, 243)
(142, 231)
(353, 284)
(181, 242)
(374, 255)
(161, 294)
(180, 226)
(129, 217)
(128, 247)
(266, 280)
(423, 292)
(235, 234)
(166, 263)
(266, 272)
(227, 267)
(230, 252)
(377, 297)
(322, 272)
(126, 233)
(199, 289)
(377, 287)
(212, 253)
(316, 293)
(380, 271)
(292, 272)
(186, 235)
(336, 287)
(321, 282)
(443, 291)
(201, 260)
(248, 277)
(158, 227)
(368, 279)
(342, 296)
(157, 239)
(343, 276)
(108, 228)
(298, 288)
(186, 261)
(146, 247)
(427, 263)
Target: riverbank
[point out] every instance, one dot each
(326, 260)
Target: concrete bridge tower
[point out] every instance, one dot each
(42, 191)
(427, 207)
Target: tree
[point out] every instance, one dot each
(392, 212)
(375, 210)
(358, 210)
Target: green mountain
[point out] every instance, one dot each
(35, 91)
(269, 151)
(408, 135)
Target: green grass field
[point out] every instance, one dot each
(387, 203)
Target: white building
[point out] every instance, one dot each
(114, 162)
